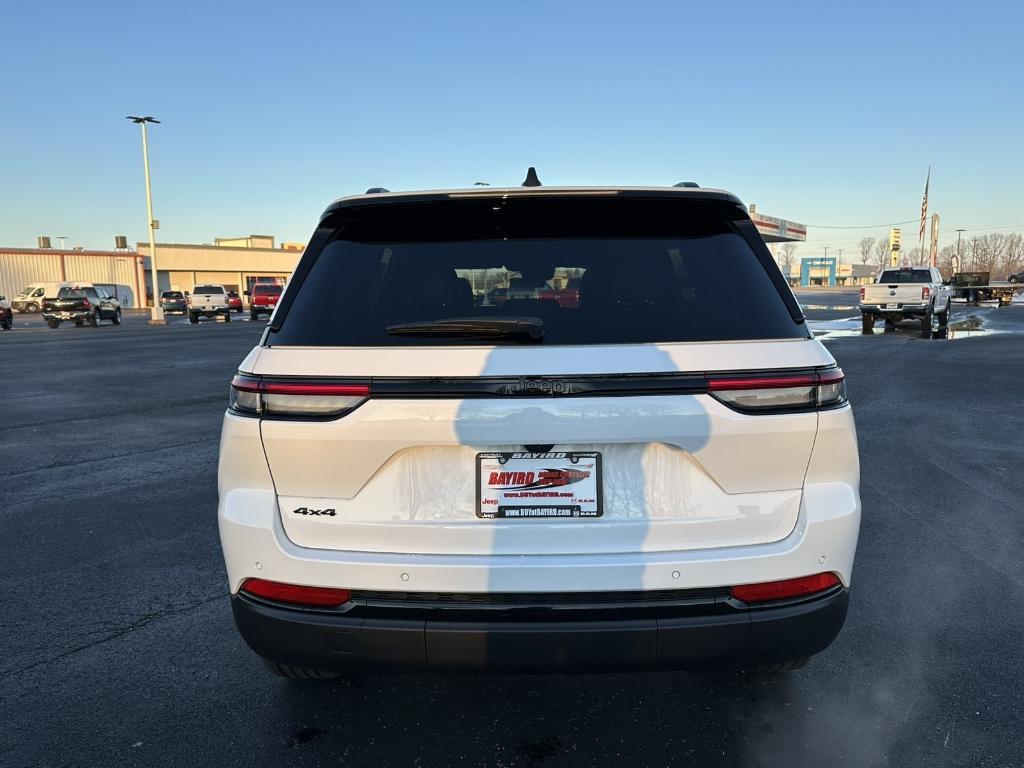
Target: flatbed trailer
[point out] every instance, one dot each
(975, 287)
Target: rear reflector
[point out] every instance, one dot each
(269, 398)
(324, 597)
(805, 391)
(782, 590)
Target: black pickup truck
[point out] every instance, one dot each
(81, 305)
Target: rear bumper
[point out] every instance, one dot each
(66, 316)
(894, 309)
(719, 633)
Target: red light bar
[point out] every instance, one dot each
(303, 388)
(325, 597)
(770, 382)
(781, 590)
(270, 387)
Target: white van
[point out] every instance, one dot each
(30, 299)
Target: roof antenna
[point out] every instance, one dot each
(531, 178)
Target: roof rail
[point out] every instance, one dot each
(687, 184)
(376, 191)
(531, 178)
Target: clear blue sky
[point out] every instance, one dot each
(826, 113)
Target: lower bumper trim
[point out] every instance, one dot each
(740, 637)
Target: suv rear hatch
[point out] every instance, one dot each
(391, 388)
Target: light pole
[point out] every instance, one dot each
(157, 315)
(958, 233)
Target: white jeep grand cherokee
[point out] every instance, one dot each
(523, 429)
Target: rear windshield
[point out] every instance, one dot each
(209, 289)
(590, 275)
(906, 276)
(266, 290)
(76, 293)
(172, 295)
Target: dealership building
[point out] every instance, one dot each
(235, 263)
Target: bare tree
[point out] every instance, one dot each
(865, 244)
(945, 260)
(882, 252)
(787, 256)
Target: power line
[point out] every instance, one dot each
(862, 226)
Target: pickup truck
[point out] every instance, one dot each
(900, 293)
(264, 299)
(208, 301)
(81, 305)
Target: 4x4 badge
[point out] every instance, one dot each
(329, 512)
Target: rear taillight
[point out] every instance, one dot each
(862, 292)
(926, 293)
(86, 304)
(276, 398)
(785, 590)
(295, 594)
(792, 392)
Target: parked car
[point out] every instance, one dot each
(902, 293)
(651, 479)
(208, 301)
(81, 304)
(32, 296)
(263, 299)
(173, 301)
(6, 314)
(1016, 277)
(234, 301)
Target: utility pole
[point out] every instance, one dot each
(157, 315)
(958, 233)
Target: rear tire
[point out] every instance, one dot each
(94, 321)
(297, 673)
(926, 325)
(53, 323)
(193, 318)
(254, 316)
(867, 323)
(227, 317)
(7, 321)
(943, 317)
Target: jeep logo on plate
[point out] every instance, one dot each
(538, 387)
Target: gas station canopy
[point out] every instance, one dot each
(775, 230)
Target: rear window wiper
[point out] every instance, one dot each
(529, 329)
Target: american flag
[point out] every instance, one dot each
(924, 206)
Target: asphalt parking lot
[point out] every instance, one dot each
(118, 648)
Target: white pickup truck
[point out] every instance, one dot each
(208, 301)
(900, 293)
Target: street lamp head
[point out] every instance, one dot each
(146, 119)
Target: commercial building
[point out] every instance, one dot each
(235, 263)
(117, 270)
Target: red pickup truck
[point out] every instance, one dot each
(263, 299)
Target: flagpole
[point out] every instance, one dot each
(924, 213)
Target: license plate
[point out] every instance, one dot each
(66, 315)
(538, 485)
